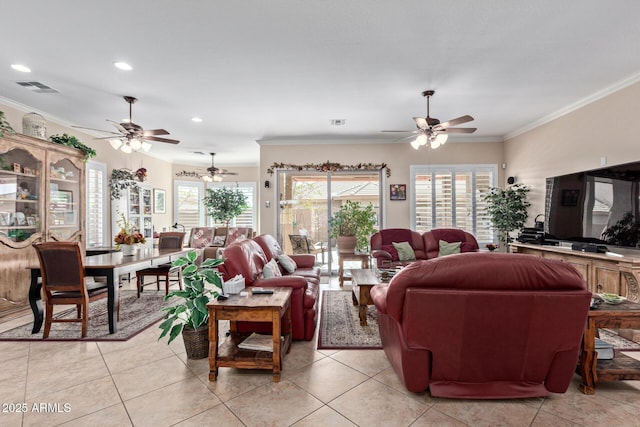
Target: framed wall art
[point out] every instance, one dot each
(398, 192)
(159, 201)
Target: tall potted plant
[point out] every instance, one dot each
(190, 316)
(223, 204)
(353, 224)
(507, 208)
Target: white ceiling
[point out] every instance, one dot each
(256, 70)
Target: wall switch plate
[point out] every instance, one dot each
(603, 161)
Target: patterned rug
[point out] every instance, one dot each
(340, 325)
(136, 315)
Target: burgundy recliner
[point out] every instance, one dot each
(483, 325)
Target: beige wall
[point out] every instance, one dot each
(159, 175)
(577, 141)
(398, 157)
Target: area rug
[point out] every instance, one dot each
(340, 325)
(136, 315)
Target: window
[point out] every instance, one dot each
(248, 217)
(96, 218)
(188, 208)
(450, 196)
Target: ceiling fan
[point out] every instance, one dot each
(431, 131)
(130, 136)
(216, 174)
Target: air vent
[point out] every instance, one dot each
(38, 87)
(338, 122)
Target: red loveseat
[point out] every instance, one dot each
(247, 257)
(483, 325)
(425, 246)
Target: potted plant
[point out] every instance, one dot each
(128, 239)
(507, 208)
(190, 316)
(353, 224)
(223, 204)
(121, 179)
(5, 126)
(72, 141)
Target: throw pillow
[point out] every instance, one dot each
(392, 251)
(468, 247)
(218, 241)
(447, 248)
(271, 269)
(287, 263)
(405, 251)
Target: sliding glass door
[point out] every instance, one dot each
(307, 200)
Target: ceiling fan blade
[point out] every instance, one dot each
(400, 131)
(167, 140)
(119, 127)
(455, 122)
(117, 136)
(227, 173)
(99, 130)
(155, 132)
(460, 130)
(421, 122)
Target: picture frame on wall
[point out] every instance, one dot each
(159, 201)
(570, 197)
(398, 192)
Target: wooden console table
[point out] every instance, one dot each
(603, 273)
(592, 370)
(274, 308)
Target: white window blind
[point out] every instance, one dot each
(96, 221)
(451, 197)
(188, 207)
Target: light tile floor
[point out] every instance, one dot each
(143, 382)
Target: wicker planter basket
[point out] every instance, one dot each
(196, 341)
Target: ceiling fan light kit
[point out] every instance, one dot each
(430, 131)
(130, 136)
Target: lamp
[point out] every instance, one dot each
(435, 139)
(176, 225)
(130, 145)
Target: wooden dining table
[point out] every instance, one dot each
(110, 265)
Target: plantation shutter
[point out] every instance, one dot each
(96, 219)
(188, 205)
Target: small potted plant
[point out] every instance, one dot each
(353, 224)
(190, 316)
(5, 126)
(72, 141)
(128, 239)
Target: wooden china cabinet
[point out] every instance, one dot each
(42, 198)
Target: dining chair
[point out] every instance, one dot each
(64, 282)
(166, 240)
(302, 245)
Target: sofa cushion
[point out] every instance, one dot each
(271, 269)
(405, 251)
(447, 248)
(392, 251)
(287, 263)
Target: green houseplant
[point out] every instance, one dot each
(72, 141)
(5, 126)
(223, 204)
(507, 208)
(190, 316)
(355, 221)
(121, 179)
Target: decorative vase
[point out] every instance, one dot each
(129, 250)
(347, 244)
(33, 124)
(196, 341)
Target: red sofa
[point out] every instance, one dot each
(425, 246)
(248, 257)
(483, 325)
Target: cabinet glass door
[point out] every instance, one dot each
(64, 195)
(19, 189)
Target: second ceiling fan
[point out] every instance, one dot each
(431, 130)
(216, 174)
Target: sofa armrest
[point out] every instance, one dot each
(304, 260)
(282, 282)
(379, 253)
(379, 296)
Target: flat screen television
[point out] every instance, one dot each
(595, 206)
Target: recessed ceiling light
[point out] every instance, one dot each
(21, 68)
(196, 119)
(123, 66)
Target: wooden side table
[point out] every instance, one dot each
(363, 258)
(274, 308)
(592, 370)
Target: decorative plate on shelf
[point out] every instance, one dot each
(612, 298)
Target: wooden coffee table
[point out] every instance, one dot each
(363, 258)
(621, 367)
(274, 308)
(362, 281)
